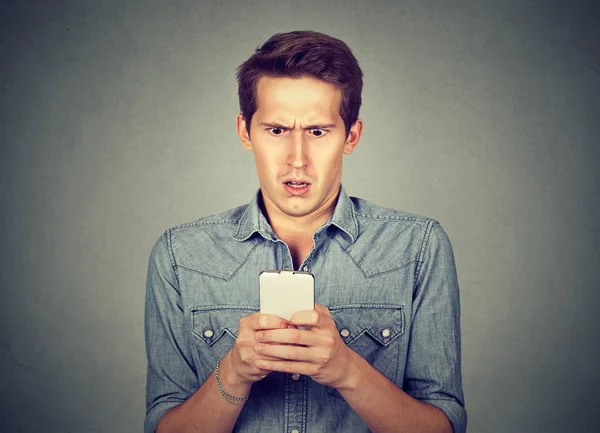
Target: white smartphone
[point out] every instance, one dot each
(282, 293)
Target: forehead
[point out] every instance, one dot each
(304, 98)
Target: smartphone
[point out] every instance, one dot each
(282, 293)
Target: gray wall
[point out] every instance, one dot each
(117, 121)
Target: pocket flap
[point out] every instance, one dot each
(210, 323)
(382, 322)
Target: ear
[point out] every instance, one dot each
(243, 132)
(353, 137)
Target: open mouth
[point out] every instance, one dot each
(297, 184)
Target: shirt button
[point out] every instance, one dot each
(208, 333)
(295, 431)
(295, 376)
(344, 332)
(385, 333)
(305, 269)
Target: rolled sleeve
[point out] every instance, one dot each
(155, 414)
(454, 411)
(171, 376)
(433, 370)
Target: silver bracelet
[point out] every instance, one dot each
(230, 398)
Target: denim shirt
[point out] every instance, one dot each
(387, 277)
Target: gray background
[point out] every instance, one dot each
(117, 121)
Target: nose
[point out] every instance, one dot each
(297, 157)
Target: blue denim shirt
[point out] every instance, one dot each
(387, 277)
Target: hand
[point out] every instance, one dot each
(318, 352)
(238, 366)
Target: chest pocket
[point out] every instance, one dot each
(215, 329)
(373, 331)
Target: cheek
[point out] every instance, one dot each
(327, 161)
(330, 168)
(267, 162)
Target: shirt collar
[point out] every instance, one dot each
(344, 215)
(254, 221)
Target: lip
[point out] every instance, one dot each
(291, 179)
(296, 192)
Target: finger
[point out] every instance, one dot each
(263, 373)
(255, 355)
(322, 309)
(258, 321)
(259, 374)
(270, 321)
(306, 318)
(305, 368)
(288, 336)
(284, 351)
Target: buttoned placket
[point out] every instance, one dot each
(304, 267)
(296, 402)
(283, 257)
(296, 385)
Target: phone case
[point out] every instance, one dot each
(282, 293)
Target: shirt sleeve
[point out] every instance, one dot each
(433, 370)
(171, 376)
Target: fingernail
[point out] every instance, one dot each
(258, 348)
(259, 336)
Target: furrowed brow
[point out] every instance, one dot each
(306, 128)
(324, 126)
(273, 125)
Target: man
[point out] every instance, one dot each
(381, 350)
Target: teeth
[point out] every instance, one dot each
(296, 184)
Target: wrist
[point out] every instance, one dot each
(352, 373)
(232, 382)
(230, 398)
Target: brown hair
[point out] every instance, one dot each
(303, 54)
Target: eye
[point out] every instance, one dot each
(276, 131)
(318, 132)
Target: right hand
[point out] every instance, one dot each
(237, 368)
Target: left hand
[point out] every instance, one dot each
(318, 351)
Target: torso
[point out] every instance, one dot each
(366, 272)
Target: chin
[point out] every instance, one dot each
(296, 211)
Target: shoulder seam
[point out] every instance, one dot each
(431, 224)
(171, 254)
(421, 220)
(203, 222)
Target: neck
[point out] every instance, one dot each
(304, 226)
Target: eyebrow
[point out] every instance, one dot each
(315, 126)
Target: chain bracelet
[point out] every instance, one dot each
(228, 397)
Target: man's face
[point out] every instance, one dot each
(298, 139)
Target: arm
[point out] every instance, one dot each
(206, 410)
(384, 406)
(325, 357)
(175, 400)
(432, 397)
(433, 368)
